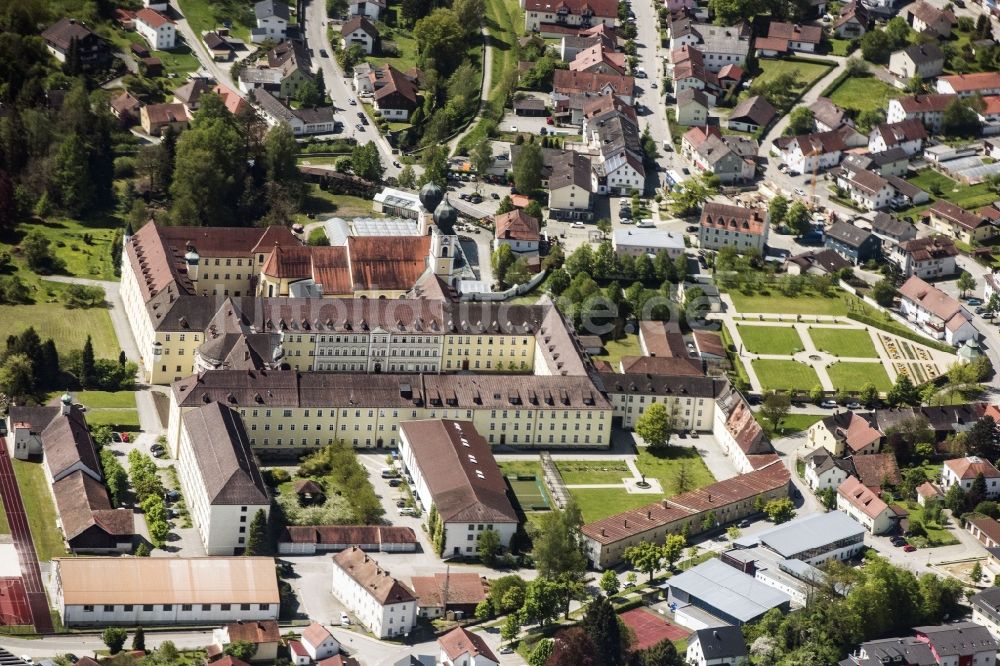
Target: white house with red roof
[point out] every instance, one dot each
(963, 472)
(518, 230)
(156, 29)
(547, 16)
(935, 313)
(845, 434)
(967, 85)
(860, 503)
(460, 647)
(297, 651)
(318, 642)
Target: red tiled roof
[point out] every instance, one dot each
(599, 8)
(874, 469)
(566, 81)
(970, 467)
(463, 588)
(972, 82)
(794, 32)
(859, 496)
(151, 17)
(460, 641)
(516, 225)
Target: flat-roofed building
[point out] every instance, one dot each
(222, 483)
(813, 539)
(724, 592)
(456, 477)
(147, 591)
(382, 604)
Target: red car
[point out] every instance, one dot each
(548, 121)
(909, 548)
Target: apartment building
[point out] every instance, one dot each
(383, 605)
(455, 475)
(552, 20)
(963, 472)
(928, 109)
(928, 257)
(158, 30)
(935, 313)
(689, 400)
(222, 484)
(864, 506)
(738, 227)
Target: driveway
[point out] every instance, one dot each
(219, 71)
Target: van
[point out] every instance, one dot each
(645, 224)
(388, 473)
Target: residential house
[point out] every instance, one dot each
(302, 121)
(986, 610)
(461, 647)
(818, 151)
(928, 109)
(824, 470)
(928, 257)
(845, 434)
(190, 94)
(599, 59)
(720, 45)
(154, 118)
(851, 242)
(991, 286)
(907, 135)
(926, 18)
(716, 646)
(967, 85)
(552, 20)
(989, 115)
(927, 491)
(272, 21)
(451, 592)
(864, 506)
(395, 95)
(959, 643)
(60, 38)
(827, 116)
(650, 242)
(264, 635)
(569, 188)
(359, 30)
(783, 38)
(566, 82)
(614, 140)
(876, 471)
(454, 472)
(283, 71)
(730, 76)
(220, 47)
(382, 605)
(126, 108)
(370, 9)
(738, 227)
(751, 115)
(222, 484)
(892, 230)
(852, 22)
(935, 313)
(518, 230)
(158, 30)
(960, 224)
(923, 61)
(963, 472)
(866, 189)
(318, 642)
(572, 44)
(892, 162)
(104, 591)
(691, 108)
(235, 103)
(688, 70)
(732, 158)
(812, 262)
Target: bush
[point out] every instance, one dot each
(124, 167)
(277, 476)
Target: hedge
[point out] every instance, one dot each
(901, 332)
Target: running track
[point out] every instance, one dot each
(19, 529)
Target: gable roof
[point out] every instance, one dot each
(971, 82)
(921, 54)
(151, 17)
(463, 588)
(568, 81)
(254, 631)
(516, 225)
(461, 474)
(956, 214)
(854, 430)
(826, 259)
(62, 33)
(827, 113)
(692, 95)
(848, 234)
(931, 103)
(794, 32)
(756, 109)
(970, 467)
(66, 441)
(268, 8)
(861, 497)
(929, 247)
(359, 23)
(82, 503)
(722, 642)
(315, 634)
(901, 132)
(932, 299)
(223, 456)
(377, 582)
(599, 8)
(460, 641)
(387, 80)
(874, 469)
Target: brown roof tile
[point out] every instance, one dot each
(873, 469)
(355, 535)
(462, 588)
(256, 632)
(369, 575)
(460, 641)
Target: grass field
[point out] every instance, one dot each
(844, 342)
(41, 511)
(966, 196)
(838, 47)
(405, 44)
(937, 534)
(68, 328)
(792, 423)
(805, 72)
(87, 258)
(863, 93)
(597, 503)
(207, 15)
(323, 204)
(785, 375)
(805, 304)
(664, 467)
(106, 399)
(853, 376)
(770, 339)
(122, 419)
(615, 349)
(576, 472)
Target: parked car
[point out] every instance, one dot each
(400, 503)
(853, 405)
(743, 524)
(344, 620)
(172, 495)
(578, 225)
(828, 404)
(393, 483)
(116, 437)
(353, 102)
(156, 447)
(799, 191)
(909, 548)
(975, 301)
(691, 229)
(494, 195)
(159, 453)
(323, 53)
(407, 511)
(549, 121)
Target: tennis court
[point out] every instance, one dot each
(14, 609)
(650, 628)
(530, 492)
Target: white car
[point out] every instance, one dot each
(344, 620)
(828, 404)
(407, 511)
(578, 225)
(799, 191)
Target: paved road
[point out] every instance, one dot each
(338, 86)
(31, 576)
(808, 98)
(650, 57)
(219, 71)
(484, 93)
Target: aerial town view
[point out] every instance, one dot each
(500, 332)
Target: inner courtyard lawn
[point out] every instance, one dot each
(770, 339)
(863, 93)
(808, 303)
(597, 503)
(844, 342)
(853, 376)
(785, 375)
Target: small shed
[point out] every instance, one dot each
(309, 490)
(530, 106)
(592, 344)
(926, 491)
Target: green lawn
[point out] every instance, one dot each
(785, 375)
(966, 196)
(68, 328)
(844, 342)
(615, 349)
(863, 93)
(84, 247)
(207, 15)
(838, 47)
(41, 511)
(937, 535)
(323, 204)
(665, 467)
(124, 419)
(805, 72)
(576, 472)
(106, 399)
(777, 303)
(404, 42)
(770, 339)
(597, 503)
(794, 423)
(853, 376)
(524, 467)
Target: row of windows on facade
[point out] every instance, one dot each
(288, 413)
(515, 439)
(239, 262)
(378, 339)
(381, 428)
(151, 608)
